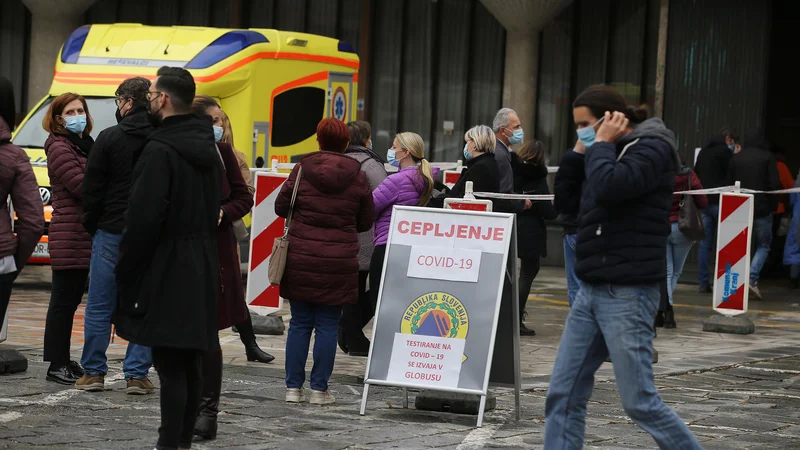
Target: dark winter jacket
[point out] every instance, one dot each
(484, 174)
(236, 203)
(712, 165)
(505, 180)
(568, 188)
(682, 184)
(373, 168)
(333, 205)
(531, 227)
(624, 216)
(755, 167)
(18, 182)
(168, 270)
(70, 245)
(107, 182)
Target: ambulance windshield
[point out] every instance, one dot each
(32, 135)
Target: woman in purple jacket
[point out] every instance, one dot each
(412, 185)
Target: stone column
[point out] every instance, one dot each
(521, 77)
(523, 20)
(52, 21)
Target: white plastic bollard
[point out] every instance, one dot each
(737, 186)
(274, 167)
(468, 191)
(459, 165)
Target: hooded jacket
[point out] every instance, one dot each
(70, 246)
(712, 165)
(168, 270)
(333, 205)
(372, 166)
(755, 167)
(18, 181)
(625, 205)
(107, 182)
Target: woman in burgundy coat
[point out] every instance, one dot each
(69, 124)
(231, 308)
(333, 204)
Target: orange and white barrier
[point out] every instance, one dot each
(266, 226)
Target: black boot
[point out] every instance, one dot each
(206, 424)
(251, 349)
(669, 318)
(659, 319)
(794, 283)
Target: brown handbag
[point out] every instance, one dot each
(280, 249)
(689, 221)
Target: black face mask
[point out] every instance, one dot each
(118, 115)
(155, 118)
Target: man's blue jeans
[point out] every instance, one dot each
(762, 239)
(324, 319)
(618, 321)
(710, 218)
(100, 306)
(570, 259)
(678, 246)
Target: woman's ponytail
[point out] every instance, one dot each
(426, 171)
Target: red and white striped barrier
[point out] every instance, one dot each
(266, 226)
(468, 203)
(731, 291)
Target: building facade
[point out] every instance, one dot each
(438, 67)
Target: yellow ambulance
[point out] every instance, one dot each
(274, 85)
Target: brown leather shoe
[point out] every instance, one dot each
(91, 383)
(140, 386)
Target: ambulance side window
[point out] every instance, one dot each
(296, 114)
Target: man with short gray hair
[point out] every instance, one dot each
(508, 131)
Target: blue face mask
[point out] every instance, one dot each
(732, 147)
(587, 135)
(218, 133)
(391, 157)
(517, 137)
(75, 124)
(467, 154)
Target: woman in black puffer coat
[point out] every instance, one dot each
(530, 177)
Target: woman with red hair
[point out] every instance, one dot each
(69, 123)
(333, 204)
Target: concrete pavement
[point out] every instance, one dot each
(734, 391)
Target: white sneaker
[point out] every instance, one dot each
(295, 395)
(755, 290)
(321, 398)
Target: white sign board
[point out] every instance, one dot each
(439, 300)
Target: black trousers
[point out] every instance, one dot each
(181, 375)
(355, 316)
(67, 292)
(375, 273)
(6, 281)
(527, 273)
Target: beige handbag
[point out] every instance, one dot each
(280, 249)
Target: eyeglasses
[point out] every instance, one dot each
(119, 101)
(150, 95)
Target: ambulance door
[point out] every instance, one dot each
(340, 96)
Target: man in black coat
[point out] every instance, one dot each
(106, 187)
(755, 167)
(168, 271)
(712, 168)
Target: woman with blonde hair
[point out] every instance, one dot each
(227, 137)
(481, 167)
(412, 185)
